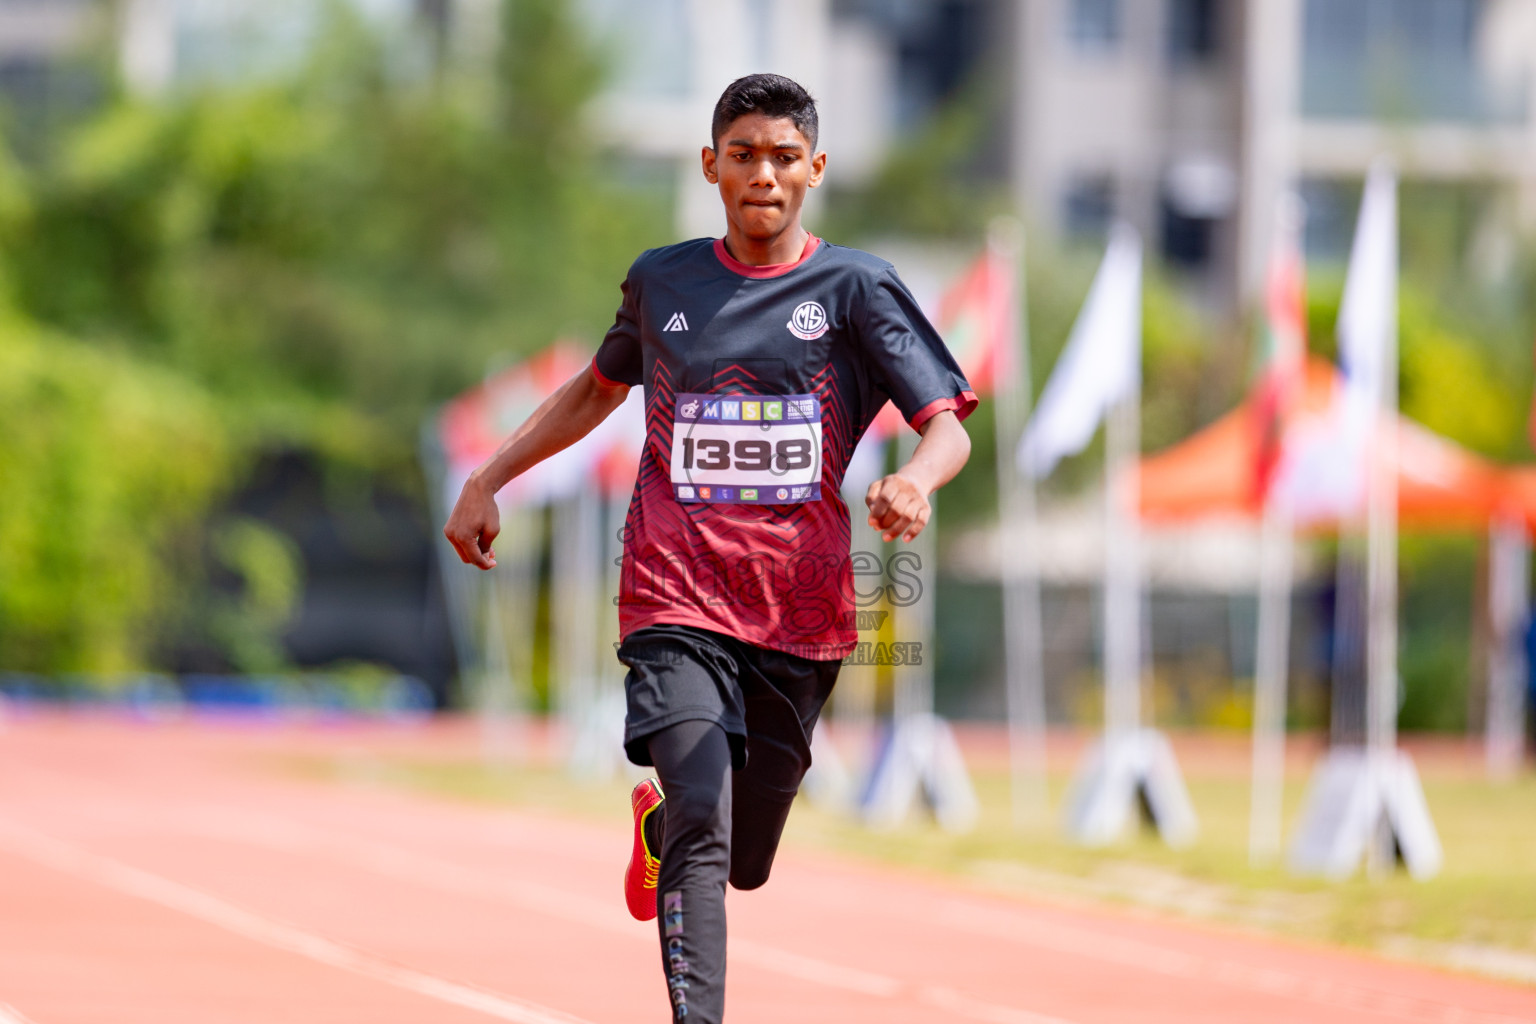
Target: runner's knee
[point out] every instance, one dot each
(751, 873)
(695, 806)
(694, 761)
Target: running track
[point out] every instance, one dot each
(165, 875)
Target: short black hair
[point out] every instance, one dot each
(769, 95)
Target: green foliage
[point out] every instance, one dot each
(1437, 587)
(108, 468)
(1464, 366)
(306, 262)
(246, 623)
(336, 251)
(930, 186)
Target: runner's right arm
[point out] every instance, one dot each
(563, 418)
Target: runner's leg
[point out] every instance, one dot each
(693, 760)
(784, 695)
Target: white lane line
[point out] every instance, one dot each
(291, 837)
(1094, 944)
(295, 838)
(74, 860)
(10, 1015)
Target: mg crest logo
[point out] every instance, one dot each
(809, 321)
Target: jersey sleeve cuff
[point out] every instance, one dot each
(962, 405)
(602, 378)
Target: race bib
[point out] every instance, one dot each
(747, 449)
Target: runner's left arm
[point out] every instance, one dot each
(898, 504)
(909, 363)
(561, 420)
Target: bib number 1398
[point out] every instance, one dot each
(752, 449)
(753, 456)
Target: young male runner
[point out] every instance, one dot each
(765, 356)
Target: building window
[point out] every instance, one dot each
(1198, 192)
(1088, 206)
(1404, 59)
(1192, 31)
(1093, 26)
(1186, 240)
(652, 44)
(1331, 206)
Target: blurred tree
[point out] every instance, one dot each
(306, 264)
(336, 252)
(936, 183)
(108, 468)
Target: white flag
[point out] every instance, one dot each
(1368, 312)
(1100, 365)
(1322, 474)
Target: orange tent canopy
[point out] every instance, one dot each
(1518, 501)
(1212, 474)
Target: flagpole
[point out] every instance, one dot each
(1509, 573)
(1098, 376)
(1122, 628)
(1017, 522)
(1369, 804)
(1381, 580)
(1276, 559)
(1282, 375)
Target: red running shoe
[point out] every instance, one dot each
(644, 866)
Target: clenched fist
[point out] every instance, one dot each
(474, 524)
(897, 507)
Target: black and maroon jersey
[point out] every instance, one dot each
(759, 382)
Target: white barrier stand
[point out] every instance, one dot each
(1125, 770)
(1362, 800)
(919, 756)
(596, 738)
(828, 784)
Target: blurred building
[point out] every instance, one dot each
(874, 66)
(1186, 117)
(162, 43)
(1190, 117)
(42, 71)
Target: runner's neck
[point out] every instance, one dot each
(769, 270)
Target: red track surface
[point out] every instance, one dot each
(159, 874)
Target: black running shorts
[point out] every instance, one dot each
(758, 696)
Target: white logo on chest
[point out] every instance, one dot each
(809, 321)
(677, 323)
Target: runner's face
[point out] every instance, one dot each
(763, 166)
